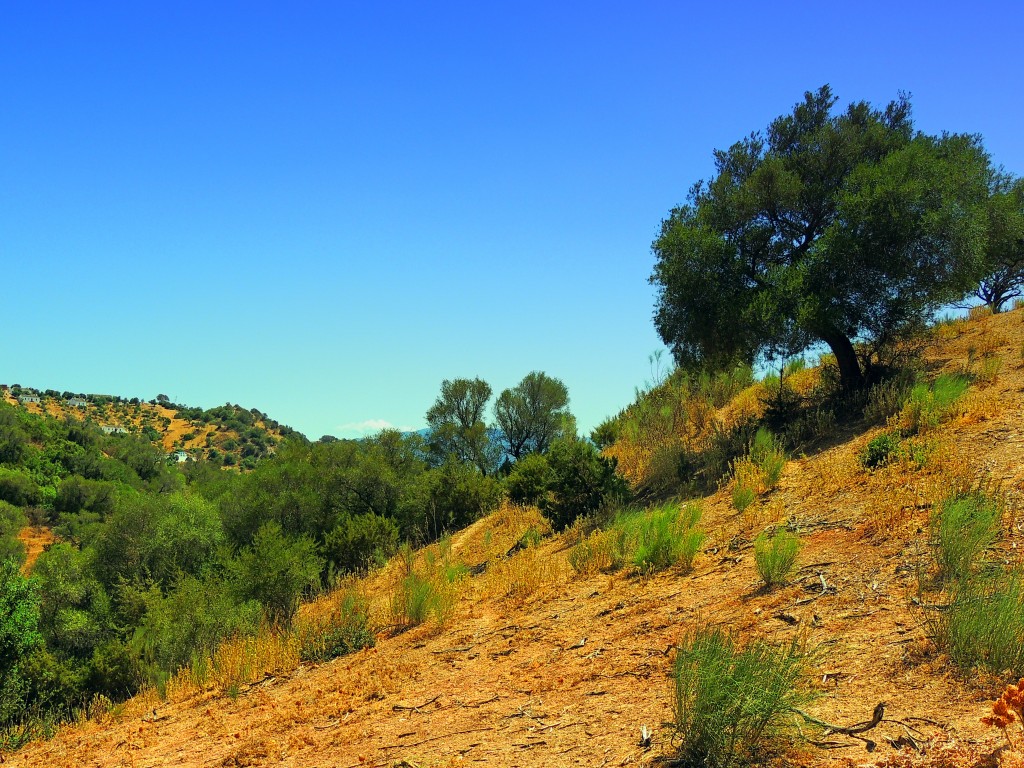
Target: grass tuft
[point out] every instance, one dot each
(648, 540)
(962, 529)
(775, 557)
(984, 624)
(731, 701)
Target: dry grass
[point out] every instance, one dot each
(523, 575)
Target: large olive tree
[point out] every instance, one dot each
(832, 226)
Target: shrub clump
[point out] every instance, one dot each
(343, 630)
(961, 530)
(775, 557)
(731, 700)
(648, 540)
(881, 450)
(928, 406)
(984, 624)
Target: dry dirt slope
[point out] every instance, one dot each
(568, 669)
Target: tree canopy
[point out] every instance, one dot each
(532, 414)
(831, 227)
(1004, 251)
(457, 425)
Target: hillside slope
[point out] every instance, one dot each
(227, 434)
(538, 666)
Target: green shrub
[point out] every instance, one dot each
(428, 591)
(928, 406)
(775, 556)
(361, 542)
(881, 450)
(275, 571)
(581, 481)
(961, 530)
(767, 453)
(19, 637)
(529, 479)
(742, 496)
(650, 540)
(731, 701)
(984, 624)
(344, 630)
(664, 537)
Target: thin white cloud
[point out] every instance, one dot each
(368, 427)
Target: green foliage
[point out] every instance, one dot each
(984, 624)
(427, 591)
(18, 488)
(881, 450)
(663, 537)
(75, 615)
(529, 480)
(532, 415)
(768, 455)
(742, 496)
(732, 701)
(962, 528)
(581, 481)
(649, 540)
(827, 227)
(194, 616)
(275, 571)
(928, 406)
(457, 427)
(19, 637)
(1004, 251)
(359, 543)
(453, 496)
(775, 556)
(344, 630)
(12, 520)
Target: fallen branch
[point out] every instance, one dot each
(434, 738)
(414, 707)
(852, 731)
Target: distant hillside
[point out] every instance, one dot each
(228, 434)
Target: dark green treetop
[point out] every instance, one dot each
(830, 227)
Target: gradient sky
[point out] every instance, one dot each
(323, 209)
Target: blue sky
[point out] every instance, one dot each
(322, 210)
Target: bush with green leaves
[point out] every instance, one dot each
(581, 481)
(742, 496)
(189, 622)
(529, 480)
(733, 701)
(768, 454)
(426, 590)
(775, 556)
(12, 520)
(663, 537)
(928, 406)
(881, 450)
(358, 543)
(275, 571)
(19, 637)
(984, 624)
(962, 528)
(647, 539)
(343, 630)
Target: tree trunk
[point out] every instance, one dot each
(850, 374)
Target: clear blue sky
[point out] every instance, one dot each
(323, 209)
